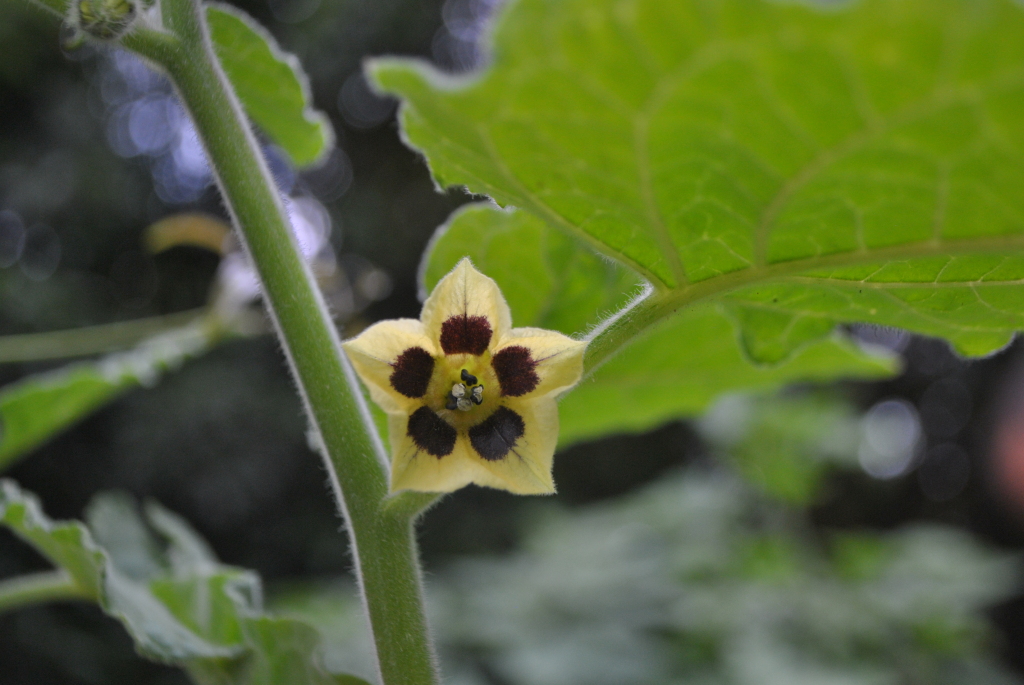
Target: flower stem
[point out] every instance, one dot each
(383, 542)
(46, 586)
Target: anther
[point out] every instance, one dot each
(459, 399)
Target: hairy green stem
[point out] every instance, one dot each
(46, 586)
(625, 326)
(383, 542)
(409, 504)
(89, 340)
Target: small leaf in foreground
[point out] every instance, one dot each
(179, 604)
(67, 545)
(38, 407)
(270, 83)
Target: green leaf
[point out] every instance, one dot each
(333, 607)
(285, 650)
(771, 336)
(549, 279)
(270, 83)
(116, 527)
(554, 281)
(185, 550)
(68, 545)
(38, 407)
(688, 361)
(797, 165)
(179, 604)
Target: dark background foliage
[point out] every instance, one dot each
(222, 441)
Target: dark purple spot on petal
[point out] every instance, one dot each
(431, 433)
(412, 373)
(464, 334)
(494, 438)
(516, 371)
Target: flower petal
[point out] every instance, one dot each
(519, 462)
(414, 468)
(526, 468)
(535, 362)
(466, 312)
(395, 359)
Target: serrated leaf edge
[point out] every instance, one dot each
(310, 113)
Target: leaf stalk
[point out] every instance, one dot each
(90, 340)
(36, 588)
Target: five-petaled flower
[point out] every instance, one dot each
(469, 398)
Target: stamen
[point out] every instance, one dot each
(459, 399)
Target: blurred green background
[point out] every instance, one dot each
(858, 534)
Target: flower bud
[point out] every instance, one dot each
(104, 19)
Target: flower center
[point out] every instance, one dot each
(465, 394)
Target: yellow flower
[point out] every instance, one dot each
(469, 398)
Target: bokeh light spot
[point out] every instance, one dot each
(891, 431)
